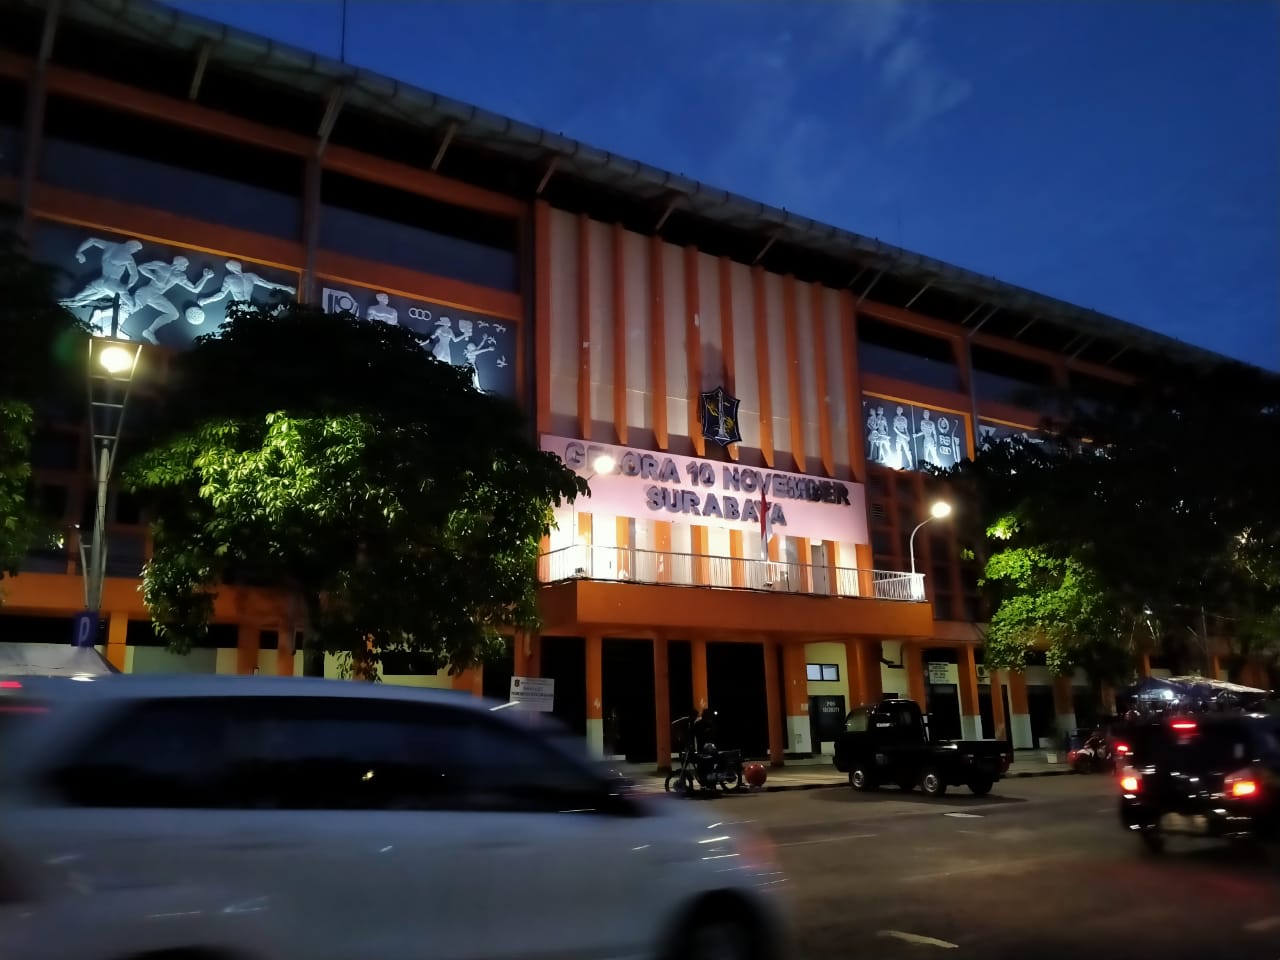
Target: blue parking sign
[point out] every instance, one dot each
(84, 631)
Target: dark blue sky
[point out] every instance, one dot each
(1123, 156)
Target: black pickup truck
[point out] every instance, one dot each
(888, 742)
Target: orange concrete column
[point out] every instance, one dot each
(470, 680)
(595, 693)
(739, 564)
(913, 665)
(285, 649)
(526, 649)
(1064, 705)
(773, 704)
(247, 645)
(117, 640)
(700, 544)
(866, 564)
(970, 713)
(1020, 721)
(796, 685)
(698, 659)
(1144, 665)
(853, 667)
(998, 720)
(662, 702)
(662, 547)
(804, 573)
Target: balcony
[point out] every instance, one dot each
(627, 565)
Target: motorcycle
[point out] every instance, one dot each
(708, 768)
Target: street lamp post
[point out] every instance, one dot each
(112, 364)
(940, 510)
(603, 463)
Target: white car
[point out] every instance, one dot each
(246, 818)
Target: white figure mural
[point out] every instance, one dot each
(382, 310)
(161, 278)
(928, 437)
(119, 273)
(239, 284)
(902, 442)
(473, 350)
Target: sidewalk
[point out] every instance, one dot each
(818, 772)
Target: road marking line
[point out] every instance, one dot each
(1260, 926)
(964, 816)
(851, 836)
(918, 939)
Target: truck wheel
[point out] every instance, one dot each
(980, 788)
(860, 780)
(932, 784)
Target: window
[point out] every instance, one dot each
(905, 354)
(302, 753)
(823, 671)
(857, 722)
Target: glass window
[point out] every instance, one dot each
(893, 351)
(823, 671)
(857, 722)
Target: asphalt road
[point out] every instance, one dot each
(1040, 869)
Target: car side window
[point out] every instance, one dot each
(510, 770)
(857, 722)
(157, 753)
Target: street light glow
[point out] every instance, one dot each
(604, 463)
(115, 359)
(940, 509)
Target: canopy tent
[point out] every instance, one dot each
(1159, 694)
(51, 660)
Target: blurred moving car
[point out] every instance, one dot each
(1106, 747)
(263, 819)
(1212, 776)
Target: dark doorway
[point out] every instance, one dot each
(1043, 719)
(628, 700)
(564, 660)
(988, 716)
(680, 687)
(735, 677)
(497, 673)
(944, 711)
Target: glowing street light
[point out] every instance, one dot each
(603, 464)
(115, 359)
(940, 510)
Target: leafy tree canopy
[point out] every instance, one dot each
(338, 459)
(1146, 523)
(42, 358)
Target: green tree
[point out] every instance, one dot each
(337, 459)
(42, 357)
(1146, 525)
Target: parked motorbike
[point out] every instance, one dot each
(704, 766)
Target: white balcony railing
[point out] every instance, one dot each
(588, 562)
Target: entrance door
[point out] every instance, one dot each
(826, 720)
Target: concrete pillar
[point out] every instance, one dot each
(662, 703)
(970, 713)
(853, 673)
(913, 665)
(1020, 722)
(286, 647)
(526, 650)
(1144, 665)
(117, 640)
(999, 722)
(698, 658)
(773, 703)
(247, 645)
(1064, 705)
(595, 694)
(471, 681)
(796, 685)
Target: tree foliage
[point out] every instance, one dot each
(1145, 524)
(42, 359)
(336, 458)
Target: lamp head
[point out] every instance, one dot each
(604, 463)
(115, 359)
(940, 510)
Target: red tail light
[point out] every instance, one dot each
(1184, 725)
(1130, 781)
(1122, 749)
(1242, 785)
(10, 684)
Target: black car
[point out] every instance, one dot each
(889, 742)
(1212, 776)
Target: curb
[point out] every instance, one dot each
(827, 785)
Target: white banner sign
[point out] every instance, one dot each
(942, 673)
(533, 693)
(647, 485)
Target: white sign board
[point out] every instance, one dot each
(942, 673)
(533, 693)
(646, 484)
